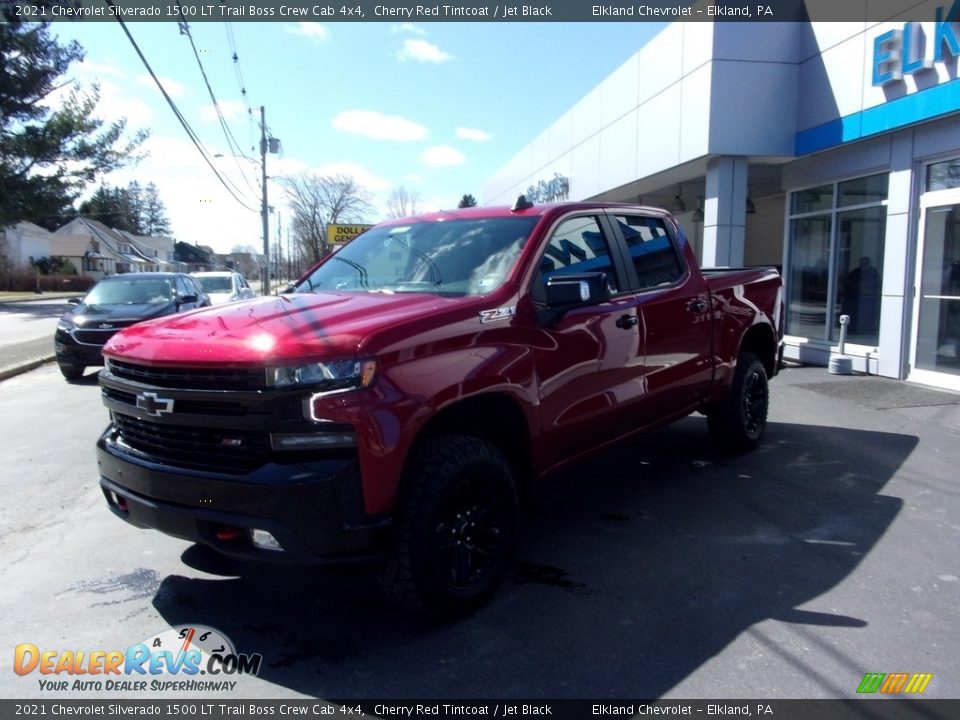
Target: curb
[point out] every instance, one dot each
(26, 366)
(41, 296)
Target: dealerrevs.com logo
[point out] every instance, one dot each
(189, 658)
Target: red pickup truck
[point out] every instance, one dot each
(398, 401)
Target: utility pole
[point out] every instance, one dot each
(279, 254)
(264, 207)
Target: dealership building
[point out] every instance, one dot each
(831, 150)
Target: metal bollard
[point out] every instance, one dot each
(840, 364)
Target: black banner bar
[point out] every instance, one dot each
(397, 11)
(893, 708)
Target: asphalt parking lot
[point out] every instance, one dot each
(658, 569)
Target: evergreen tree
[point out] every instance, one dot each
(115, 208)
(48, 156)
(467, 201)
(153, 217)
(135, 204)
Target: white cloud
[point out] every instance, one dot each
(314, 31)
(422, 51)
(173, 88)
(473, 134)
(372, 182)
(413, 178)
(378, 126)
(408, 28)
(442, 156)
(200, 209)
(288, 167)
(96, 70)
(231, 109)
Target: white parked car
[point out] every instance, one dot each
(225, 286)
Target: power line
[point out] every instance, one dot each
(238, 72)
(228, 135)
(186, 126)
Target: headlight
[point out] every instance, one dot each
(336, 376)
(65, 326)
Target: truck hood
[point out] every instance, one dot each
(281, 329)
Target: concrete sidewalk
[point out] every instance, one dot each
(23, 357)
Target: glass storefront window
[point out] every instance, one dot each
(835, 260)
(859, 263)
(872, 189)
(809, 277)
(812, 200)
(943, 175)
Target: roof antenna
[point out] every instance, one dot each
(521, 204)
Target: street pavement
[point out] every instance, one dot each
(27, 325)
(660, 568)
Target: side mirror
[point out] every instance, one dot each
(577, 289)
(185, 299)
(74, 301)
(565, 292)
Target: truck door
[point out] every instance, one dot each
(589, 361)
(674, 305)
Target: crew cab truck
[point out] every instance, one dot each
(400, 399)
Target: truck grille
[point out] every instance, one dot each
(190, 378)
(198, 448)
(184, 406)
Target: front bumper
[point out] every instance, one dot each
(71, 352)
(314, 510)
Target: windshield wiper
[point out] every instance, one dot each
(361, 270)
(429, 261)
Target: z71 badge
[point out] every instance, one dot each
(498, 314)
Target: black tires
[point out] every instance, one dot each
(456, 528)
(72, 372)
(737, 425)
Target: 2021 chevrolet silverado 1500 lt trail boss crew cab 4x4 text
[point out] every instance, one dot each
(396, 403)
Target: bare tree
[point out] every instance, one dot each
(321, 200)
(403, 203)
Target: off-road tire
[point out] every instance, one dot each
(455, 529)
(738, 424)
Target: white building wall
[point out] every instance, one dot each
(25, 241)
(693, 91)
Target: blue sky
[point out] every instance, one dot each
(435, 107)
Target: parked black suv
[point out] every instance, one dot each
(117, 302)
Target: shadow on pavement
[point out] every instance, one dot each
(637, 567)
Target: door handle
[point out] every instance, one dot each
(625, 322)
(697, 305)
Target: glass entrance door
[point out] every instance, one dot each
(937, 306)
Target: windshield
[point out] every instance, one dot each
(215, 283)
(132, 291)
(451, 257)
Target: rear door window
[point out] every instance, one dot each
(653, 253)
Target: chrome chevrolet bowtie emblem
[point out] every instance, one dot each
(153, 405)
